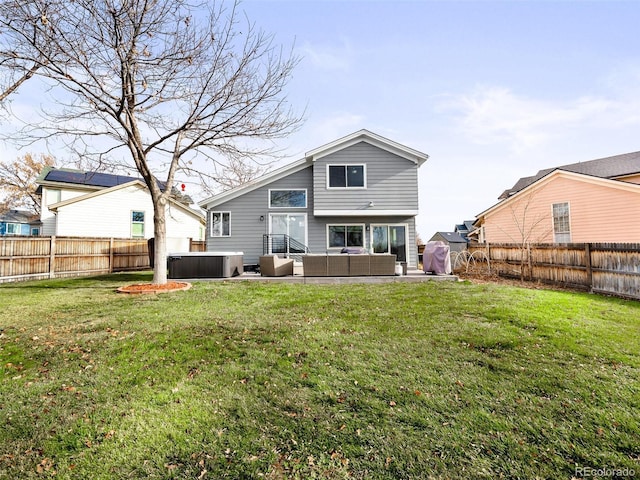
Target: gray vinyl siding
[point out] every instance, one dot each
(247, 229)
(245, 224)
(391, 181)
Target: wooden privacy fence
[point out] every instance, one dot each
(611, 268)
(31, 258)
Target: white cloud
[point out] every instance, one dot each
(335, 126)
(328, 57)
(494, 115)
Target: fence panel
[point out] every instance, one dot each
(30, 258)
(610, 268)
(616, 268)
(129, 254)
(24, 257)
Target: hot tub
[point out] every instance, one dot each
(205, 264)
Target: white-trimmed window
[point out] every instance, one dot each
(561, 223)
(53, 196)
(137, 224)
(288, 198)
(390, 239)
(347, 176)
(341, 236)
(220, 224)
(13, 229)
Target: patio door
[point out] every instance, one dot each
(292, 224)
(390, 239)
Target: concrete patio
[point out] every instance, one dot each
(411, 276)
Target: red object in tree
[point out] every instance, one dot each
(183, 187)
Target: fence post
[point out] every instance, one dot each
(111, 255)
(587, 261)
(52, 257)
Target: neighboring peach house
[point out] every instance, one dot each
(586, 202)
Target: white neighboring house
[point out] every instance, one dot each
(92, 204)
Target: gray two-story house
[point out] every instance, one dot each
(358, 192)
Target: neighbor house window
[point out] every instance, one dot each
(220, 224)
(561, 225)
(347, 176)
(137, 224)
(288, 198)
(53, 196)
(340, 236)
(13, 229)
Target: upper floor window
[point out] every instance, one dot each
(347, 176)
(220, 224)
(288, 198)
(53, 196)
(561, 224)
(137, 223)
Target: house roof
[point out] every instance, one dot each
(451, 237)
(311, 156)
(371, 138)
(465, 226)
(134, 183)
(609, 167)
(18, 216)
(255, 183)
(90, 180)
(612, 183)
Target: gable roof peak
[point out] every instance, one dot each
(374, 139)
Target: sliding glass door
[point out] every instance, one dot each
(292, 224)
(390, 239)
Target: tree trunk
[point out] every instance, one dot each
(160, 242)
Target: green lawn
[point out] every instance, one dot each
(249, 380)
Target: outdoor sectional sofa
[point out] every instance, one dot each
(345, 265)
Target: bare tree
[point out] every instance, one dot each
(16, 69)
(161, 85)
(530, 227)
(18, 182)
(14, 83)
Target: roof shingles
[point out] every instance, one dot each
(609, 167)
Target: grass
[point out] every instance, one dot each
(248, 380)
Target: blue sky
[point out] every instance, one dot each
(492, 91)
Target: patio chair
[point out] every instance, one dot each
(274, 266)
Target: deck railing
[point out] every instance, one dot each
(283, 245)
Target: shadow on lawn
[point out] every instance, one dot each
(83, 282)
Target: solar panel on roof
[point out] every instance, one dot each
(95, 179)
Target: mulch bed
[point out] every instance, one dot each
(154, 288)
